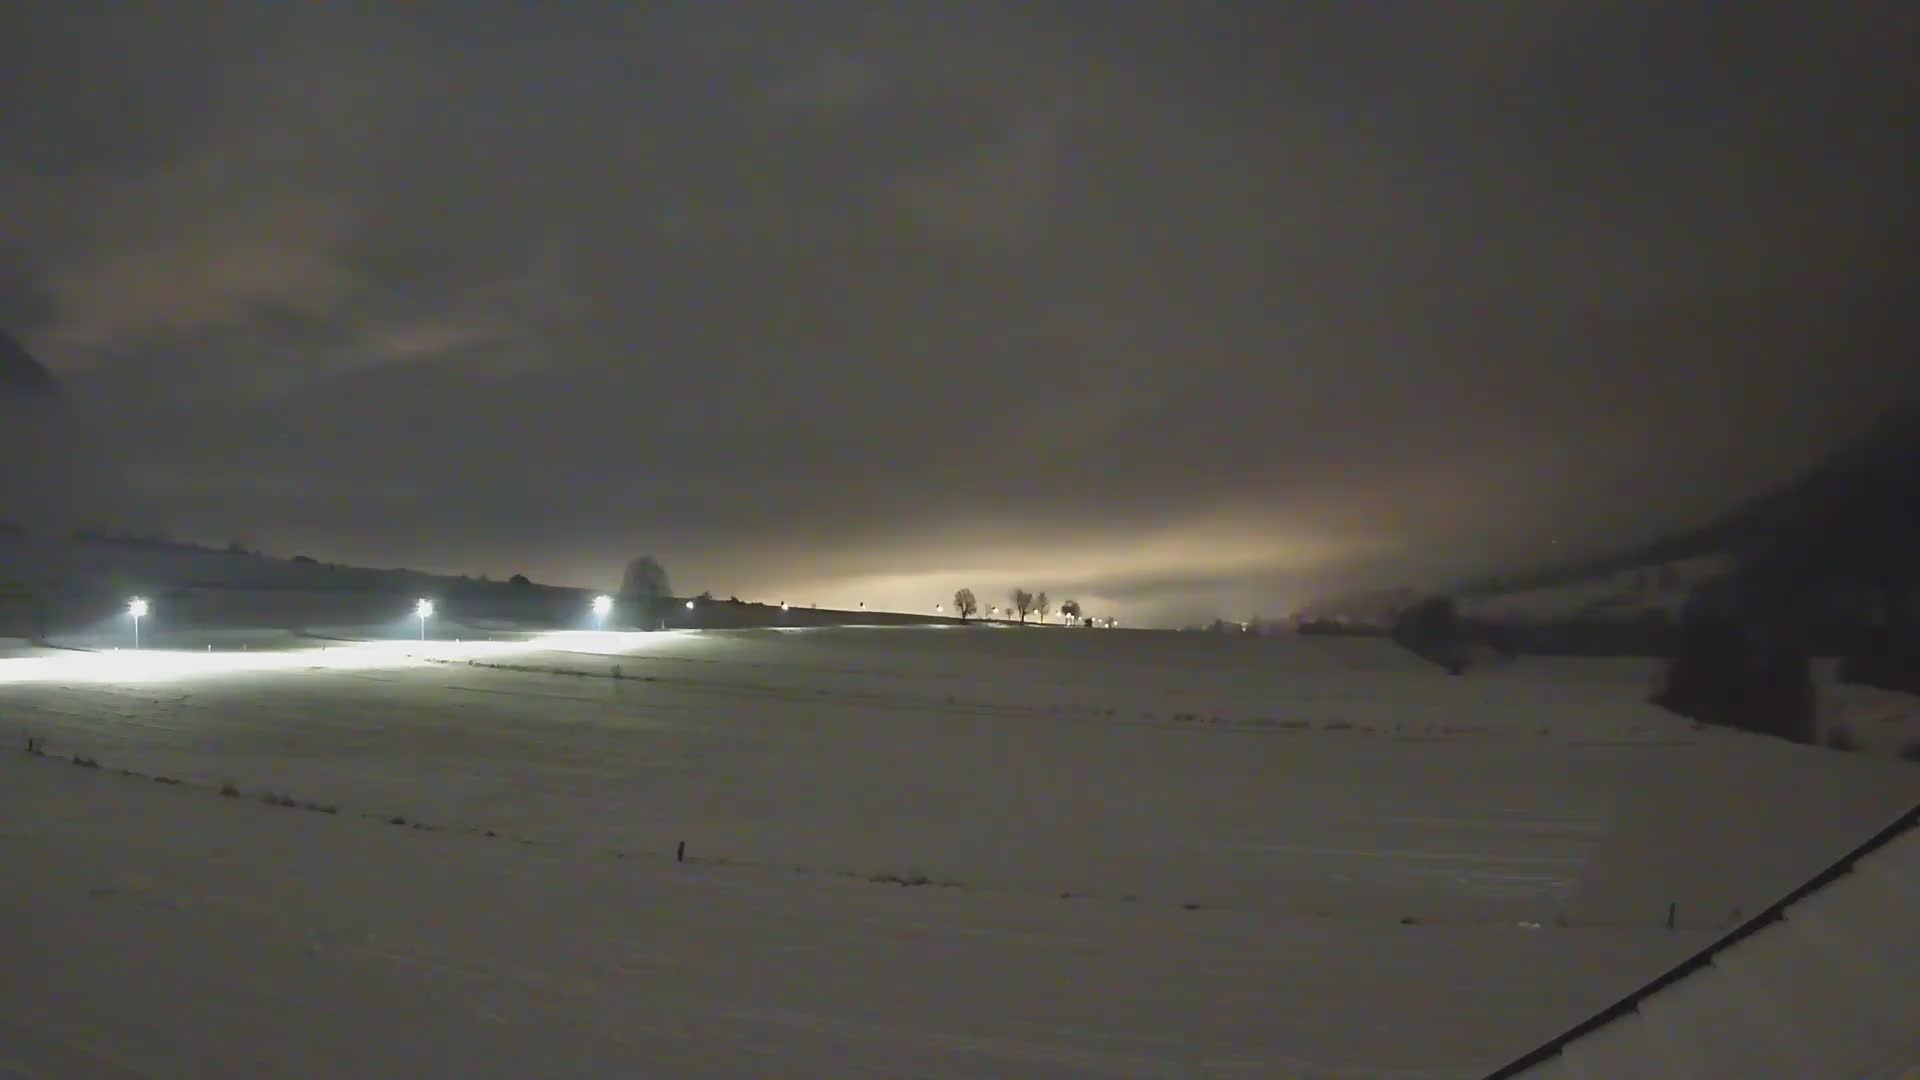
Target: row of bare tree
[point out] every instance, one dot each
(1023, 604)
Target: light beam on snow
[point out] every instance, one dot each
(171, 665)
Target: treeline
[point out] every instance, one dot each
(1022, 603)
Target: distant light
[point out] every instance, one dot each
(939, 607)
(783, 605)
(423, 608)
(689, 605)
(602, 605)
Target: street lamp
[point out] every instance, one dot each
(424, 609)
(602, 606)
(689, 605)
(137, 607)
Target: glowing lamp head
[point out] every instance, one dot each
(602, 605)
(137, 607)
(423, 608)
(689, 605)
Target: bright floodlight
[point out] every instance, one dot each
(137, 607)
(602, 605)
(689, 605)
(423, 608)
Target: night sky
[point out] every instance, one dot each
(1180, 309)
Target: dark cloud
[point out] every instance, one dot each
(1180, 309)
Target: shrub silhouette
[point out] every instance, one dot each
(1722, 675)
(1431, 629)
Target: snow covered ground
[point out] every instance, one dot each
(1860, 719)
(1141, 854)
(1884, 723)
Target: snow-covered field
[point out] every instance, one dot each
(1129, 854)
(1883, 723)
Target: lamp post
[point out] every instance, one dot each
(137, 607)
(602, 605)
(424, 609)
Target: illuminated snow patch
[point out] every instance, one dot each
(168, 665)
(619, 642)
(162, 665)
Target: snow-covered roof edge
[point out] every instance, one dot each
(1626, 1006)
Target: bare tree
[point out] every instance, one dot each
(965, 604)
(1022, 602)
(1070, 609)
(1042, 606)
(645, 579)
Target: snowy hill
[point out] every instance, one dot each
(58, 586)
(50, 586)
(53, 475)
(22, 376)
(1618, 596)
(1853, 517)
